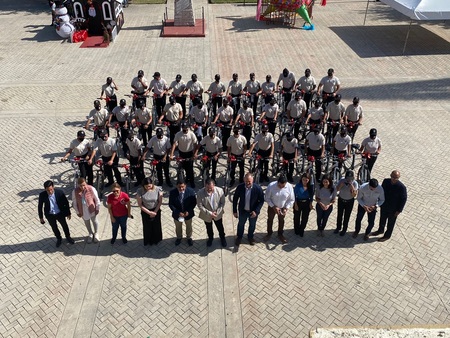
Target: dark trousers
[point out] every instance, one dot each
(247, 132)
(121, 221)
(86, 172)
(112, 103)
(212, 161)
(174, 128)
(371, 161)
(318, 163)
(219, 226)
(236, 103)
(297, 125)
(272, 125)
(241, 168)
(291, 156)
(123, 137)
(322, 216)
(352, 130)
(151, 227)
(287, 97)
(370, 218)
(182, 101)
(389, 216)
(307, 98)
(243, 217)
(109, 169)
(303, 214)
(226, 131)
(216, 103)
(345, 208)
(52, 219)
(268, 98)
(188, 166)
(270, 216)
(253, 103)
(159, 168)
(264, 161)
(137, 170)
(146, 133)
(333, 129)
(160, 102)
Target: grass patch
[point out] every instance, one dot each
(147, 2)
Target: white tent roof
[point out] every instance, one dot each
(422, 9)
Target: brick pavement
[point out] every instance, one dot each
(266, 290)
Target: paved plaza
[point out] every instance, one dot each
(47, 87)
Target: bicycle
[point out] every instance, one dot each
(76, 169)
(153, 172)
(100, 177)
(363, 172)
(181, 175)
(331, 125)
(256, 163)
(227, 180)
(205, 162)
(339, 163)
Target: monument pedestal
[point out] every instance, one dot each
(184, 23)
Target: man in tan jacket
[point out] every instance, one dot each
(211, 201)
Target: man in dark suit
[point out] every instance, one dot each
(395, 194)
(56, 208)
(182, 202)
(248, 199)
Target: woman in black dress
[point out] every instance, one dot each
(149, 198)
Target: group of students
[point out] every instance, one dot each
(248, 201)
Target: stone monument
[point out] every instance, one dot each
(184, 13)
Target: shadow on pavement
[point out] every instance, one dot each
(382, 41)
(42, 34)
(249, 24)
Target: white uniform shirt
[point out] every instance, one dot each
(108, 89)
(173, 111)
(158, 86)
(107, 147)
(296, 108)
(143, 115)
(194, 87)
(135, 83)
(288, 81)
(235, 87)
(371, 146)
(252, 86)
(289, 147)
(134, 146)
(160, 146)
(225, 114)
(341, 143)
(316, 113)
(80, 148)
(335, 111)
(268, 87)
(178, 87)
(212, 145)
(270, 110)
(237, 144)
(306, 83)
(199, 115)
(98, 116)
(280, 198)
(186, 142)
(246, 114)
(329, 84)
(354, 113)
(217, 88)
(264, 142)
(121, 114)
(315, 142)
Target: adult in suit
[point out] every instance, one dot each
(56, 209)
(248, 200)
(211, 201)
(395, 194)
(182, 202)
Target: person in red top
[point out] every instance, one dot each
(119, 210)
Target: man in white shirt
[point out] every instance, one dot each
(280, 198)
(160, 88)
(370, 197)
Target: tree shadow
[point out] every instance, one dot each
(31, 7)
(383, 41)
(42, 34)
(79, 124)
(249, 24)
(143, 28)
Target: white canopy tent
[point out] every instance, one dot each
(418, 10)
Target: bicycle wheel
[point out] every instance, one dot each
(363, 174)
(181, 175)
(312, 179)
(226, 183)
(100, 184)
(257, 176)
(76, 176)
(336, 175)
(127, 184)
